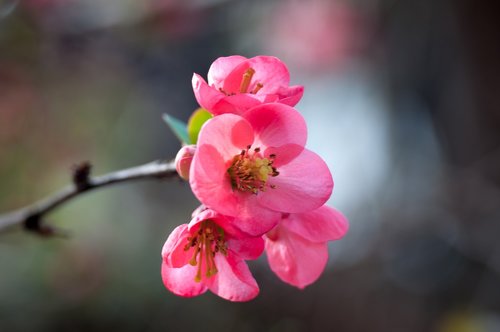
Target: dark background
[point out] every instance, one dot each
(401, 99)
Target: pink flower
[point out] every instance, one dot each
(236, 84)
(255, 167)
(209, 254)
(297, 248)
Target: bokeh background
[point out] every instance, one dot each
(401, 99)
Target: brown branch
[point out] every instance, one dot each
(31, 217)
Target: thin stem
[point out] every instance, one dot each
(31, 216)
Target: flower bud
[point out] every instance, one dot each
(183, 160)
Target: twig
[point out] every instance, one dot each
(32, 216)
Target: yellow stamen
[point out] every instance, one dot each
(258, 86)
(250, 173)
(193, 261)
(197, 277)
(245, 81)
(208, 241)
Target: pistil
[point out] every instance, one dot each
(245, 81)
(208, 240)
(258, 86)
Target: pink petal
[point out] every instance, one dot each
(291, 95)
(276, 125)
(221, 68)
(304, 184)
(223, 221)
(294, 259)
(173, 250)
(251, 217)
(198, 210)
(247, 248)
(284, 154)
(233, 281)
(321, 225)
(233, 80)
(268, 98)
(203, 213)
(242, 101)
(180, 281)
(223, 106)
(206, 96)
(271, 72)
(229, 133)
(210, 182)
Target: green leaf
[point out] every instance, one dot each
(196, 121)
(178, 127)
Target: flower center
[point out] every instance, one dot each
(249, 172)
(245, 83)
(208, 241)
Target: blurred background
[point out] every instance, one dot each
(401, 99)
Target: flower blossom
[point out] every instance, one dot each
(255, 167)
(297, 248)
(209, 253)
(236, 84)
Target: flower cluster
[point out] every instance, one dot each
(260, 188)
